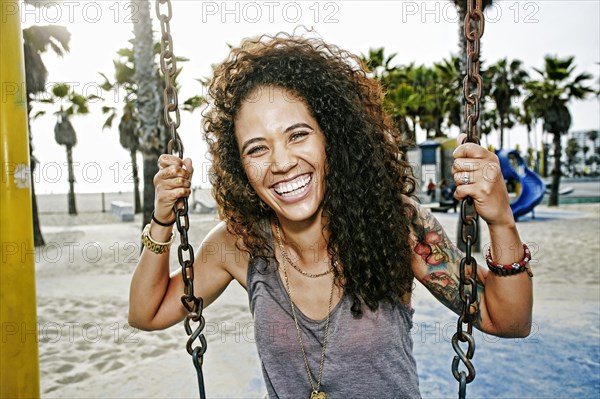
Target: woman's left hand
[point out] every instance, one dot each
(477, 174)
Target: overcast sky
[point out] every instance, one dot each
(419, 31)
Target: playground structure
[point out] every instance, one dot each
(435, 159)
(531, 186)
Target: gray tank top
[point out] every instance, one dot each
(369, 357)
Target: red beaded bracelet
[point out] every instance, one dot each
(510, 269)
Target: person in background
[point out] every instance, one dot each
(431, 190)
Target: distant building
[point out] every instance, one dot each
(584, 141)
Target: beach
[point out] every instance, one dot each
(87, 349)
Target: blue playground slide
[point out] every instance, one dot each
(532, 186)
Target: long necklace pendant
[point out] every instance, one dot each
(317, 395)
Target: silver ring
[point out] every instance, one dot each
(465, 179)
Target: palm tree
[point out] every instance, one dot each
(571, 151)
(428, 96)
(379, 63)
(37, 40)
(451, 77)
(129, 141)
(504, 81)
(524, 118)
(400, 99)
(432, 99)
(548, 100)
(488, 117)
(193, 103)
(585, 150)
(71, 103)
(151, 130)
(401, 104)
(128, 138)
(437, 95)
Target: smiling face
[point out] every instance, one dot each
(283, 152)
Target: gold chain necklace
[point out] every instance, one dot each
(316, 392)
(287, 258)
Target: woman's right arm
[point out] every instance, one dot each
(155, 296)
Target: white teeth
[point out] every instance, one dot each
(290, 188)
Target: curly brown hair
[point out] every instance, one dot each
(366, 175)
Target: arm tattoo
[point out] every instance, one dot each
(442, 259)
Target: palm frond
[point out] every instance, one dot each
(55, 36)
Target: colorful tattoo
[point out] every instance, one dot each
(442, 259)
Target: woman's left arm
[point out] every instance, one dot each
(508, 299)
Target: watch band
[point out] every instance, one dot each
(155, 246)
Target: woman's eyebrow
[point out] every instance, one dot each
(297, 125)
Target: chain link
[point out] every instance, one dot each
(185, 252)
(168, 66)
(473, 83)
(472, 90)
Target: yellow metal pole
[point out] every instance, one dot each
(19, 368)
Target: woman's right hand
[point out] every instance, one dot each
(172, 181)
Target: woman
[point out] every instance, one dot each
(318, 226)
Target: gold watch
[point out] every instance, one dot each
(154, 246)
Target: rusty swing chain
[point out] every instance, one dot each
(472, 91)
(185, 252)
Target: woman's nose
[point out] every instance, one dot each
(282, 160)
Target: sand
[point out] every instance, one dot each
(87, 349)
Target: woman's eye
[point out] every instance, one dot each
(257, 150)
(298, 135)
